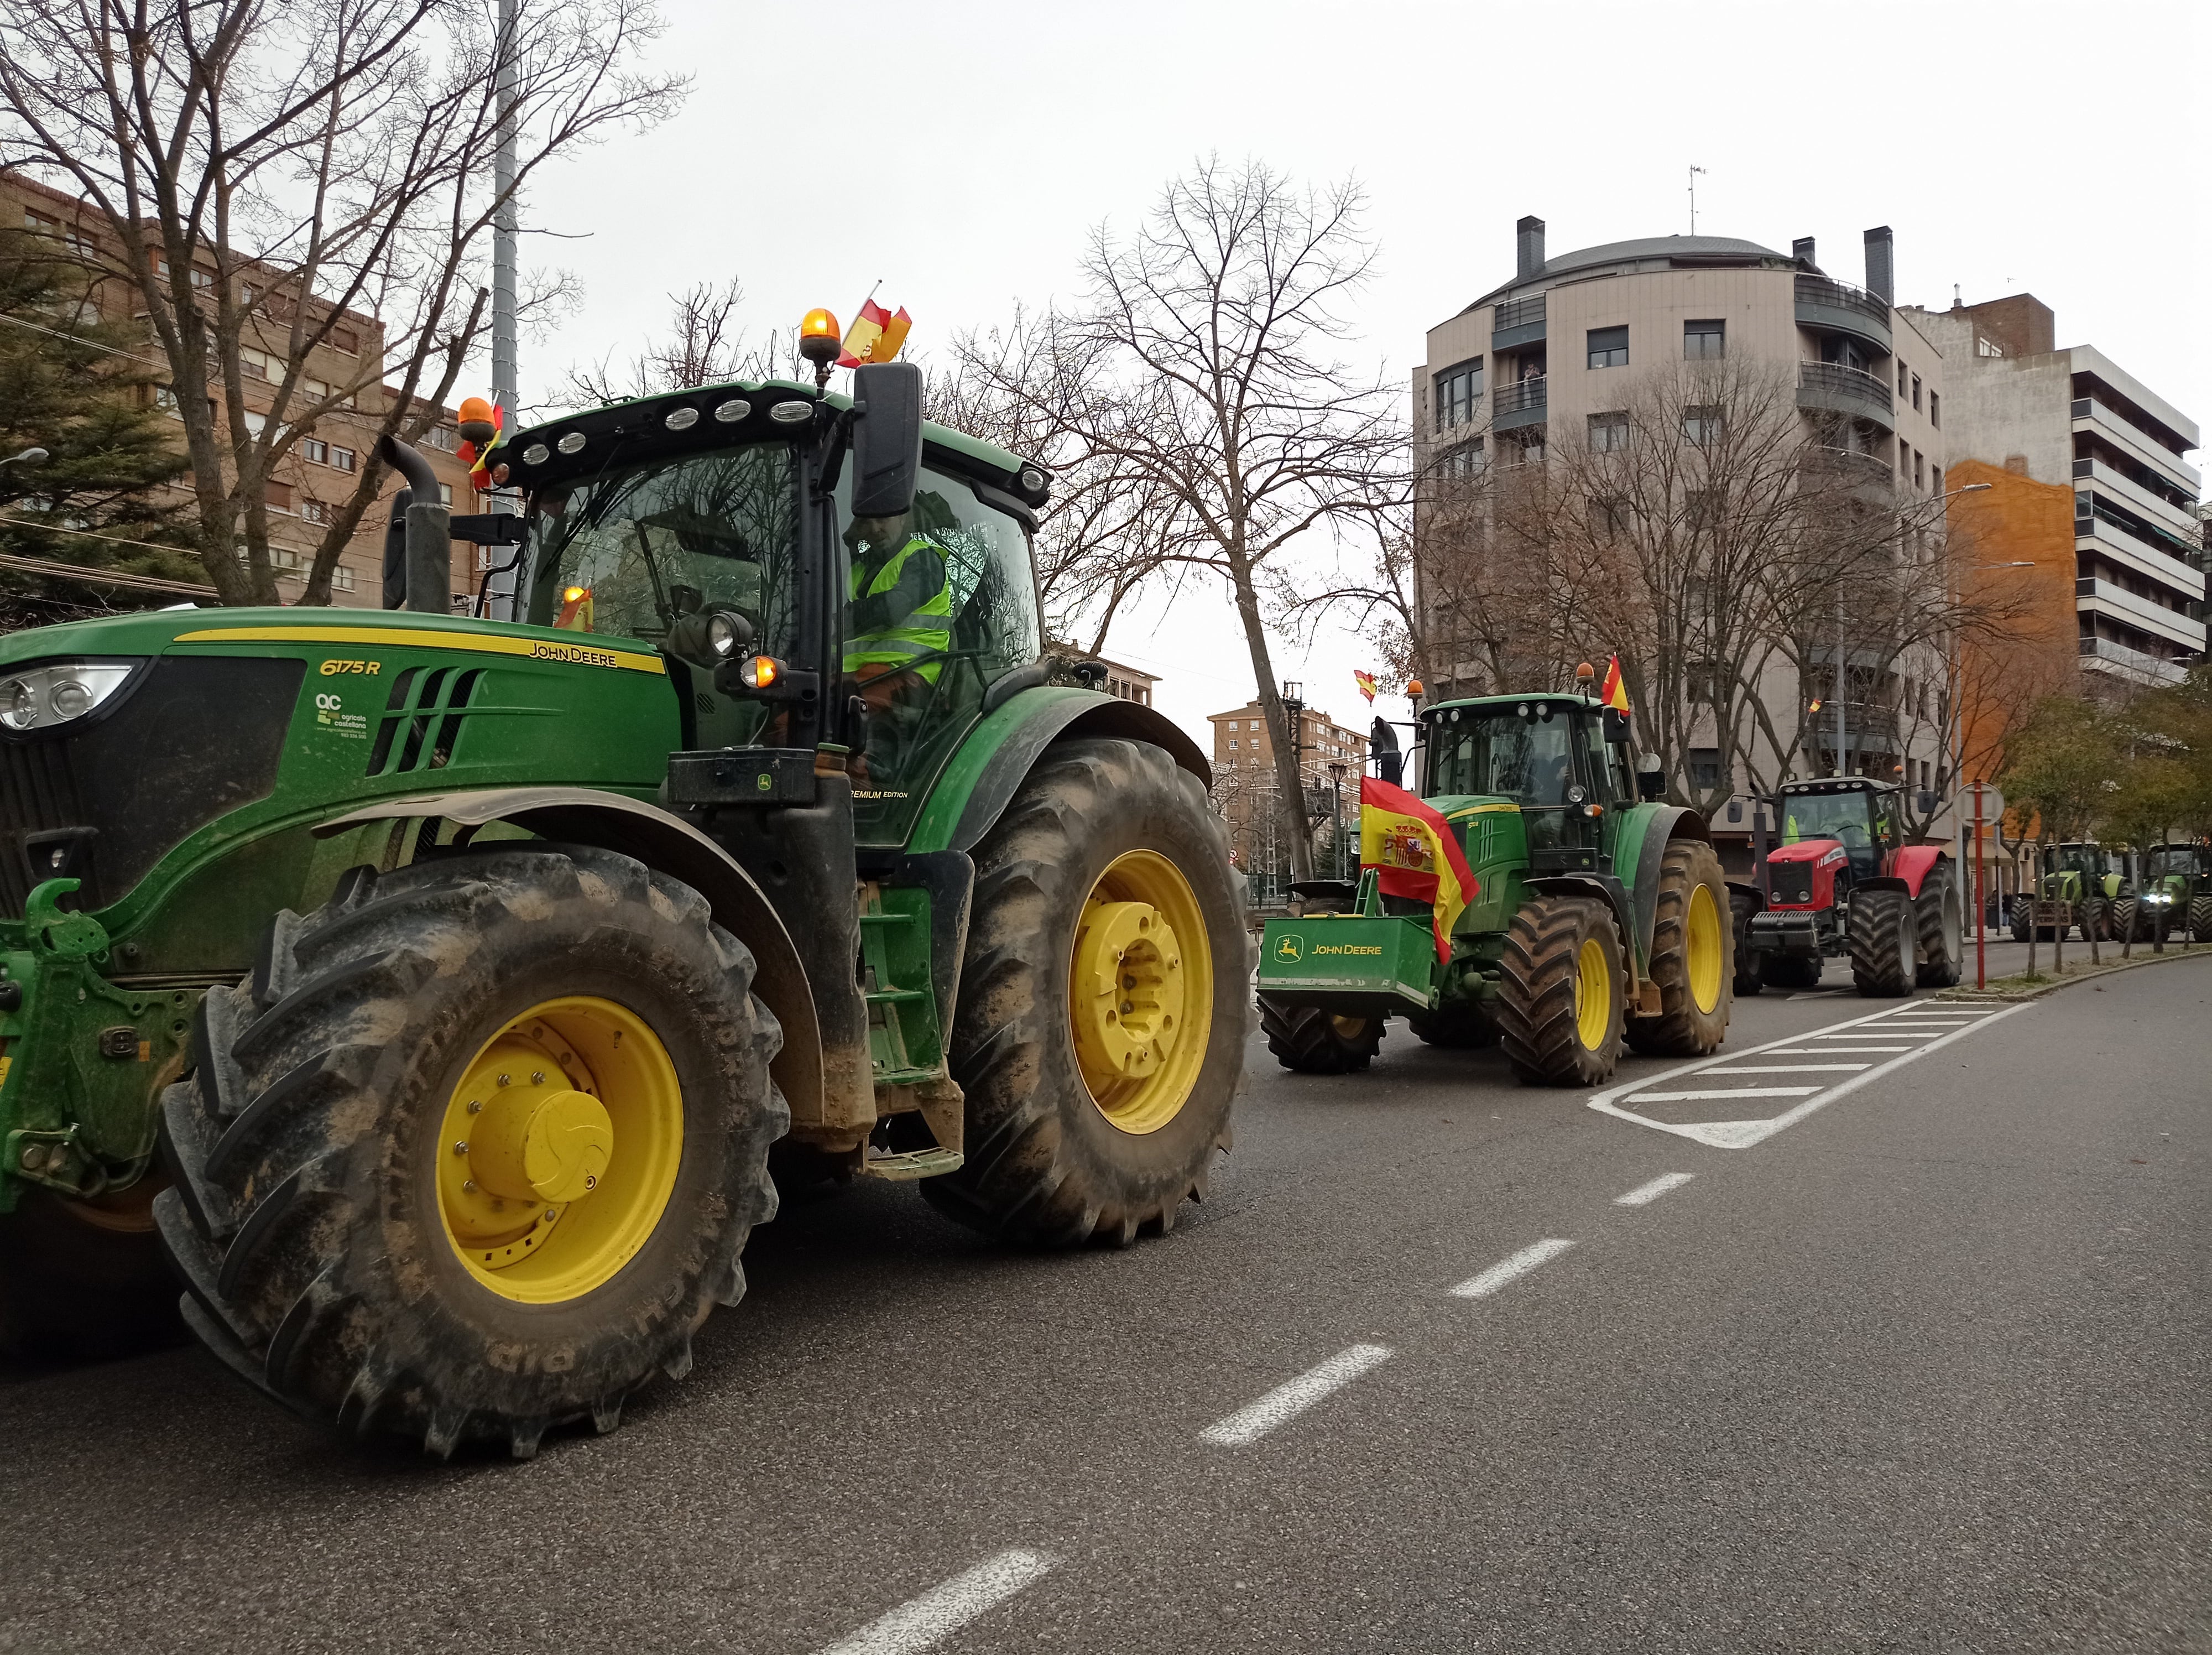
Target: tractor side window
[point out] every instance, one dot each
(626, 552)
(1605, 786)
(939, 604)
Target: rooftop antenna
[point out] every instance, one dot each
(1958, 299)
(1694, 171)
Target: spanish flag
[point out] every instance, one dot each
(1365, 684)
(1413, 853)
(1615, 693)
(875, 336)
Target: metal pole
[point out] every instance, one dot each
(1843, 761)
(1981, 912)
(506, 380)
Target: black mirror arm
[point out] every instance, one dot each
(833, 450)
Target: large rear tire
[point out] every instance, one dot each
(2200, 919)
(1884, 939)
(1308, 1040)
(1066, 1140)
(1560, 1006)
(84, 1281)
(475, 1151)
(1693, 957)
(1940, 920)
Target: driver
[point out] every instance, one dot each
(898, 626)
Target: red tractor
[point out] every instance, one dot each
(1844, 884)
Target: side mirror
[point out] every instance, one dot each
(886, 438)
(1650, 780)
(1616, 726)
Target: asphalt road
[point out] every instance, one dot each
(1927, 1368)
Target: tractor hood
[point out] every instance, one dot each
(1806, 850)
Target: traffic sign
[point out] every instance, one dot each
(1983, 800)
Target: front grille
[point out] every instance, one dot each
(196, 737)
(1793, 888)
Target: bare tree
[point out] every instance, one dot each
(1212, 335)
(271, 175)
(705, 344)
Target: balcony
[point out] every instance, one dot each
(1832, 388)
(1517, 322)
(2153, 508)
(2096, 530)
(2090, 414)
(2116, 603)
(2103, 655)
(1837, 307)
(1518, 405)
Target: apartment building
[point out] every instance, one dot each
(1558, 349)
(1331, 760)
(324, 467)
(1122, 681)
(2070, 418)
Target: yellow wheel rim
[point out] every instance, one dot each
(559, 1149)
(1348, 1028)
(1593, 995)
(1140, 992)
(1704, 946)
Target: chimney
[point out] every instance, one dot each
(1880, 265)
(1802, 251)
(1529, 249)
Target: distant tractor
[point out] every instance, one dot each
(1595, 918)
(2080, 887)
(1843, 884)
(2174, 894)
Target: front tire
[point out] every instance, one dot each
(1063, 1147)
(1883, 943)
(1693, 957)
(591, 1031)
(1941, 922)
(1559, 1004)
(1747, 980)
(1308, 1040)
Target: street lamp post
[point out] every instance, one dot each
(28, 457)
(1294, 708)
(1336, 819)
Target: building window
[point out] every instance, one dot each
(1701, 426)
(1919, 479)
(1705, 768)
(1701, 509)
(1935, 409)
(1608, 347)
(1232, 743)
(1705, 341)
(1462, 462)
(442, 436)
(1916, 393)
(1459, 392)
(1936, 477)
(342, 459)
(1255, 724)
(1901, 377)
(315, 449)
(314, 511)
(1608, 433)
(1706, 679)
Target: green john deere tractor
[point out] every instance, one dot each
(1597, 919)
(2081, 885)
(2174, 894)
(438, 992)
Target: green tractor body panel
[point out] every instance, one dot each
(1367, 962)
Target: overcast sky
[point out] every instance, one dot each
(960, 152)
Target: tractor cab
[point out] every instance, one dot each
(1545, 755)
(2071, 868)
(1860, 815)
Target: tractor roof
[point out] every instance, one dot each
(644, 419)
(1840, 784)
(1508, 703)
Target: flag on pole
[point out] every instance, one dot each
(1615, 693)
(1366, 682)
(1414, 854)
(875, 335)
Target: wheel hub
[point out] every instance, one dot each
(1128, 989)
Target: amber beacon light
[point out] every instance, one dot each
(819, 343)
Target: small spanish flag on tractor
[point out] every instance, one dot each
(1366, 685)
(1614, 695)
(1414, 854)
(875, 336)
(575, 614)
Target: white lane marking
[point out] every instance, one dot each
(1510, 1270)
(1291, 1398)
(1707, 1094)
(1644, 1194)
(923, 1621)
(1792, 1068)
(1742, 1134)
(1828, 1051)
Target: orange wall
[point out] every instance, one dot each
(2018, 519)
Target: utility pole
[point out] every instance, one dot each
(1694, 171)
(506, 379)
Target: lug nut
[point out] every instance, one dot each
(460, 1146)
(474, 1105)
(503, 1081)
(537, 1077)
(34, 1157)
(470, 1185)
(591, 1182)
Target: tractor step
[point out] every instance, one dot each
(904, 1168)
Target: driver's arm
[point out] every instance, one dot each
(921, 577)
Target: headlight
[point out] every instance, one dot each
(46, 695)
(727, 634)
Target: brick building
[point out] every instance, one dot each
(1331, 760)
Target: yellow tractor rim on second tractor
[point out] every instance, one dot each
(1704, 939)
(559, 1149)
(1140, 992)
(1593, 995)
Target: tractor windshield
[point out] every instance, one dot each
(2170, 862)
(2074, 858)
(627, 551)
(1498, 752)
(1849, 817)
